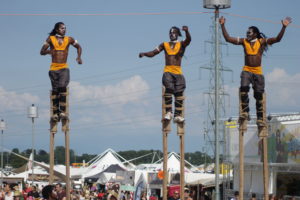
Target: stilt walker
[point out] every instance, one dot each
(173, 86)
(57, 45)
(255, 44)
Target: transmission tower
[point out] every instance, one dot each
(210, 94)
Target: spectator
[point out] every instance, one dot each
(49, 193)
(33, 194)
(61, 194)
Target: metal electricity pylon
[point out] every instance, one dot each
(216, 99)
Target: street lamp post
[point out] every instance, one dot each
(2, 128)
(32, 113)
(217, 5)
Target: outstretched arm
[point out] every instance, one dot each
(151, 54)
(79, 49)
(232, 40)
(45, 48)
(285, 23)
(188, 37)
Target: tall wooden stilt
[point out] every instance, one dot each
(65, 128)
(166, 128)
(242, 130)
(51, 170)
(180, 133)
(263, 134)
(182, 182)
(53, 131)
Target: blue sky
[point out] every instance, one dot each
(115, 96)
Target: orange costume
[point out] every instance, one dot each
(252, 50)
(172, 68)
(59, 47)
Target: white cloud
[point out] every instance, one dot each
(12, 101)
(123, 103)
(283, 94)
(283, 89)
(129, 90)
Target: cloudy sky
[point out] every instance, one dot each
(115, 97)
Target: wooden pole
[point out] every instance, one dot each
(242, 130)
(241, 157)
(266, 169)
(166, 128)
(66, 130)
(180, 133)
(165, 165)
(263, 134)
(67, 155)
(51, 170)
(53, 131)
(182, 183)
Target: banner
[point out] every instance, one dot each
(283, 142)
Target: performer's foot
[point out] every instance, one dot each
(55, 118)
(63, 116)
(168, 116)
(261, 123)
(178, 119)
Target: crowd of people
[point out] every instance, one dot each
(58, 192)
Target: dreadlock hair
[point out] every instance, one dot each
(259, 36)
(178, 30)
(56, 26)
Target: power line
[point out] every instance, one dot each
(101, 14)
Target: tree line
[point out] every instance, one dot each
(144, 156)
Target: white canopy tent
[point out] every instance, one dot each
(103, 161)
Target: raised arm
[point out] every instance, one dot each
(150, 54)
(45, 48)
(285, 23)
(188, 37)
(232, 40)
(75, 44)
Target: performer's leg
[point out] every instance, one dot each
(55, 106)
(54, 95)
(244, 101)
(259, 108)
(167, 81)
(179, 98)
(168, 103)
(63, 102)
(179, 101)
(63, 83)
(243, 95)
(259, 88)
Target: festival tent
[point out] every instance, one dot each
(173, 163)
(42, 167)
(103, 161)
(106, 175)
(204, 179)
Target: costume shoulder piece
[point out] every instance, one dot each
(252, 50)
(172, 51)
(58, 46)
